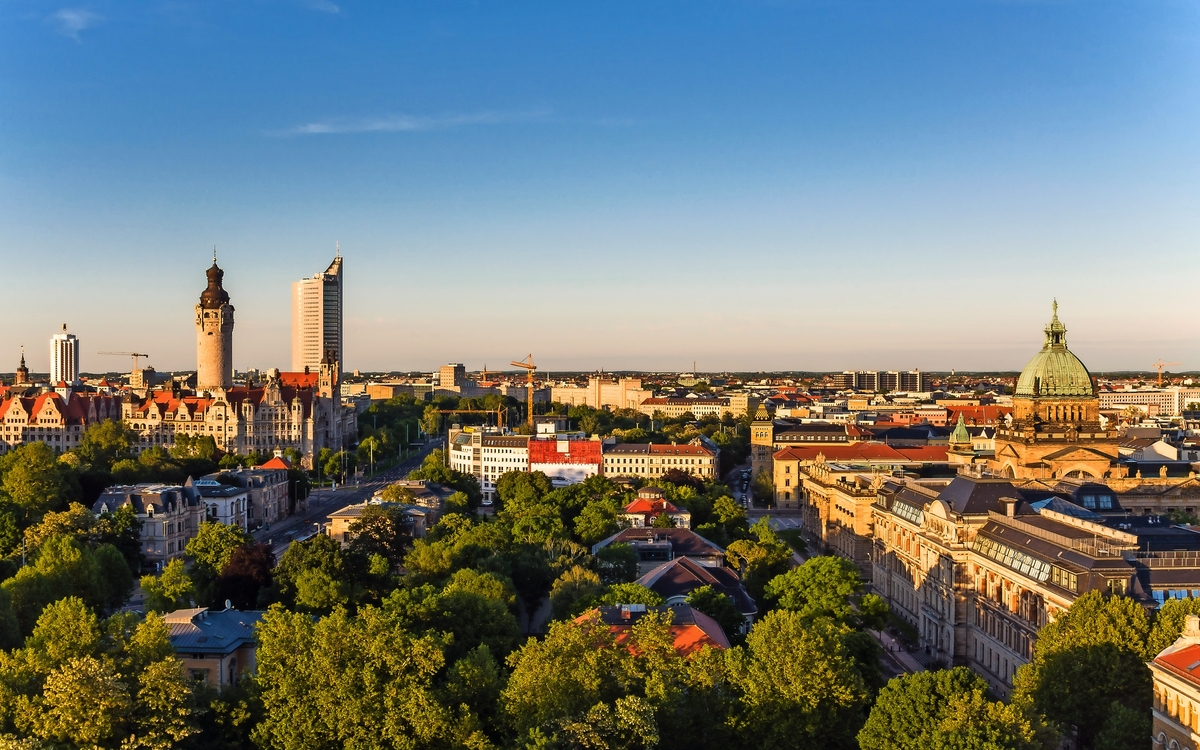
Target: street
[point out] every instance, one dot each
(322, 503)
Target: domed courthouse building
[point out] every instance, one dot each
(1056, 431)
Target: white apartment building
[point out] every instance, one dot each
(221, 503)
(1155, 402)
(64, 358)
(486, 455)
(317, 317)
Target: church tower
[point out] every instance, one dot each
(22, 377)
(214, 335)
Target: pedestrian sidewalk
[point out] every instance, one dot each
(897, 652)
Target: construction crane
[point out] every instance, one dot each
(1160, 365)
(498, 412)
(135, 356)
(530, 368)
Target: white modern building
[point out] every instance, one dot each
(1154, 402)
(64, 358)
(487, 454)
(317, 317)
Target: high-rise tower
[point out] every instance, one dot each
(64, 358)
(214, 334)
(317, 317)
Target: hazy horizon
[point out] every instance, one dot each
(753, 186)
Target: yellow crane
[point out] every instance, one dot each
(135, 356)
(530, 368)
(1160, 365)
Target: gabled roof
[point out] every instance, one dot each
(682, 541)
(975, 496)
(278, 462)
(683, 575)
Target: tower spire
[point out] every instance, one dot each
(337, 244)
(214, 255)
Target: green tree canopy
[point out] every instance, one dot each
(719, 607)
(88, 684)
(760, 559)
(797, 685)
(171, 590)
(105, 443)
(574, 591)
(35, 481)
(353, 682)
(64, 568)
(213, 545)
(821, 587)
(1086, 659)
(381, 530)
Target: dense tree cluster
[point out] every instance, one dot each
(395, 642)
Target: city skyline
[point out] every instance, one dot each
(694, 183)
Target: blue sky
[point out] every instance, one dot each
(749, 185)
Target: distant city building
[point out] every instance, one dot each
(64, 358)
(222, 503)
(1154, 402)
(698, 406)
(691, 630)
(58, 420)
(317, 323)
(453, 375)
(676, 579)
(267, 488)
(602, 393)
(652, 460)
(656, 546)
(912, 381)
(22, 374)
(299, 410)
(214, 335)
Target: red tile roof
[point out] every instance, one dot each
(1184, 663)
(300, 379)
(642, 505)
(276, 463)
(865, 451)
(691, 630)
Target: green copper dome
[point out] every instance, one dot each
(1055, 371)
(960, 436)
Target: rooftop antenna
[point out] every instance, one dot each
(337, 244)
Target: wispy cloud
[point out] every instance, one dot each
(72, 21)
(324, 5)
(411, 123)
